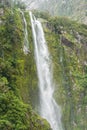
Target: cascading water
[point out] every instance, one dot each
(26, 42)
(48, 107)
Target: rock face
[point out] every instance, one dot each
(69, 59)
(67, 43)
(77, 9)
(15, 76)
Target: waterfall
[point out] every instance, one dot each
(48, 107)
(26, 42)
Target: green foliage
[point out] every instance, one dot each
(66, 24)
(19, 4)
(12, 112)
(12, 4)
(44, 15)
(17, 76)
(70, 71)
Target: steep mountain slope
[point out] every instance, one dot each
(67, 41)
(17, 73)
(75, 9)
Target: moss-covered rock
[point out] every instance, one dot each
(68, 51)
(18, 79)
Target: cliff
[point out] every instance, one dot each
(17, 75)
(74, 9)
(67, 43)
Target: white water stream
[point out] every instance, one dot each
(48, 107)
(26, 42)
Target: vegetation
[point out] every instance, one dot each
(67, 41)
(75, 9)
(12, 4)
(67, 44)
(17, 74)
(41, 14)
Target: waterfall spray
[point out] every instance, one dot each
(48, 107)
(26, 42)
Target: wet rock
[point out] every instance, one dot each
(66, 42)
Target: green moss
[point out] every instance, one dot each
(69, 71)
(18, 76)
(18, 79)
(14, 114)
